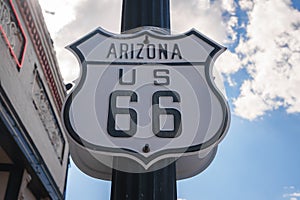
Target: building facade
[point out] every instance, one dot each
(33, 146)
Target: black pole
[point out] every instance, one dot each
(156, 185)
(139, 13)
(159, 184)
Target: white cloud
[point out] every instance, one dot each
(295, 194)
(191, 14)
(229, 6)
(58, 13)
(249, 105)
(271, 55)
(228, 63)
(232, 23)
(205, 16)
(270, 52)
(291, 195)
(80, 18)
(246, 4)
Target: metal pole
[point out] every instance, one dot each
(139, 13)
(159, 184)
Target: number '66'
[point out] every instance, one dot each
(157, 111)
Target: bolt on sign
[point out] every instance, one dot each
(144, 100)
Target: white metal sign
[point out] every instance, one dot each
(144, 98)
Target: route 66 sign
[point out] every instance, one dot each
(142, 99)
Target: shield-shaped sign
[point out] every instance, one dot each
(143, 100)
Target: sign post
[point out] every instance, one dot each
(159, 184)
(146, 110)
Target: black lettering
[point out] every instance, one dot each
(176, 52)
(163, 51)
(141, 47)
(133, 80)
(112, 51)
(151, 51)
(124, 50)
(113, 111)
(165, 78)
(157, 111)
(132, 51)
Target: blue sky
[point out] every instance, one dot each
(259, 157)
(256, 160)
